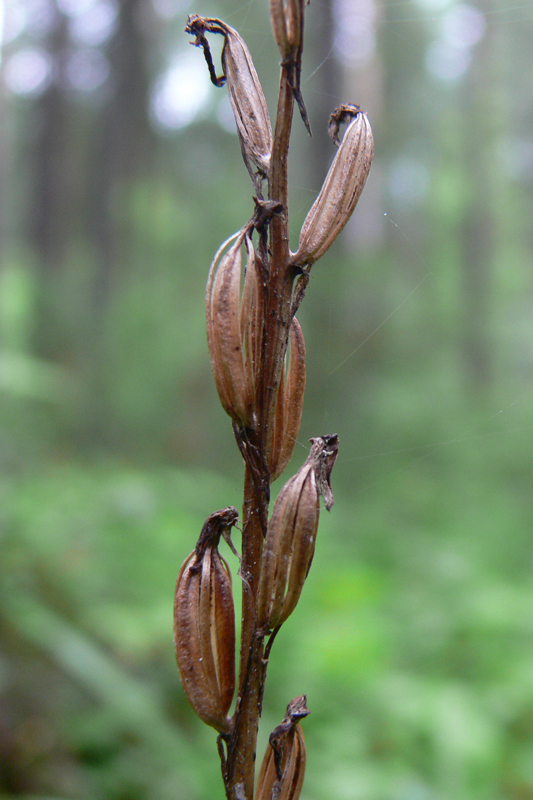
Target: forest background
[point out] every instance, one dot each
(120, 174)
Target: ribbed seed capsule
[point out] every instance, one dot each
(248, 103)
(290, 540)
(341, 188)
(224, 335)
(245, 92)
(204, 624)
(286, 17)
(290, 405)
(251, 315)
(282, 772)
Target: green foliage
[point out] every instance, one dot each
(412, 638)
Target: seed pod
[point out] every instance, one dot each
(204, 624)
(282, 772)
(290, 405)
(279, 25)
(341, 188)
(290, 540)
(286, 17)
(224, 336)
(251, 314)
(248, 103)
(245, 93)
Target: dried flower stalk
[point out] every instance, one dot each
(257, 353)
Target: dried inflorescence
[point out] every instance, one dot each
(258, 355)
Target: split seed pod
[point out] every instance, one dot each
(291, 534)
(204, 624)
(290, 405)
(342, 186)
(224, 335)
(282, 772)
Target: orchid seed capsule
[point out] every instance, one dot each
(204, 624)
(245, 93)
(291, 534)
(341, 188)
(224, 335)
(290, 405)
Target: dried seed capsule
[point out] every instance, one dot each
(282, 772)
(224, 336)
(286, 17)
(341, 188)
(279, 25)
(204, 624)
(290, 405)
(290, 540)
(295, 517)
(248, 103)
(251, 314)
(245, 93)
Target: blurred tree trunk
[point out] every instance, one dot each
(122, 149)
(478, 231)
(87, 159)
(55, 197)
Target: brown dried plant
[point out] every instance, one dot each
(257, 354)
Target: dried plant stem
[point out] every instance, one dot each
(242, 743)
(248, 325)
(242, 746)
(281, 276)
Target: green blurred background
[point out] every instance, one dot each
(120, 175)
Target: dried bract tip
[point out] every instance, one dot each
(342, 186)
(233, 378)
(323, 454)
(282, 772)
(204, 624)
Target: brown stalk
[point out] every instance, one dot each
(244, 738)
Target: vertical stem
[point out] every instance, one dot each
(281, 278)
(242, 748)
(243, 740)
